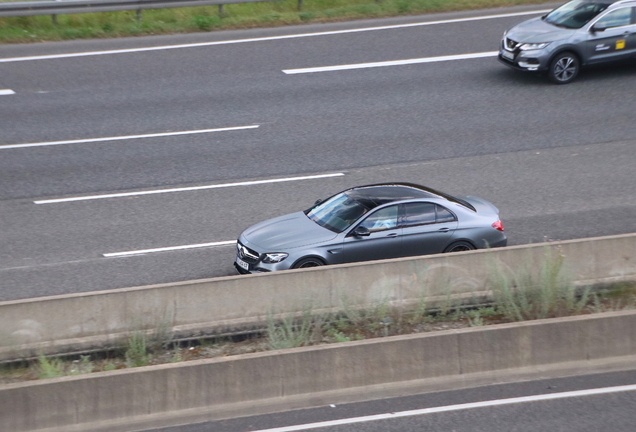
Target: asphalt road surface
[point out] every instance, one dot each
(105, 122)
(542, 405)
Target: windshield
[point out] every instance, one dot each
(575, 14)
(337, 213)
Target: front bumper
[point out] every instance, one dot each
(525, 64)
(248, 260)
(530, 60)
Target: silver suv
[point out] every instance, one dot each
(578, 33)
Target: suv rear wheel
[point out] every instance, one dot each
(564, 68)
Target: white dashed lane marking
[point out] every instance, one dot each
(186, 189)
(391, 63)
(125, 137)
(167, 249)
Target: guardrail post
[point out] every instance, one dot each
(220, 10)
(300, 4)
(54, 19)
(138, 15)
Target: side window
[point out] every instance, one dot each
(444, 215)
(616, 18)
(381, 220)
(418, 214)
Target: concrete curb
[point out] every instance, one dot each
(81, 321)
(303, 377)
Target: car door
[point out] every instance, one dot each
(612, 36)
(426, 228)
(383, 239)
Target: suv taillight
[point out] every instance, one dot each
(498, 226)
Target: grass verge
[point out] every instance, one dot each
(234, 16)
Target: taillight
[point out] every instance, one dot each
(498, 226)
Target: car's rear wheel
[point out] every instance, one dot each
(564, 68)
(309, 262)
(459, 246)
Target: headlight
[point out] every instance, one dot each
(271, 258)
(533, 46)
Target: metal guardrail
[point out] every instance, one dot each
(30, 8)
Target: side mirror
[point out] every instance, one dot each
(361, 231)
(595, 29)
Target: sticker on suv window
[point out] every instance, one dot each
(620, 44)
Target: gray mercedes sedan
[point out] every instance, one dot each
(579, 33)
(371, 222)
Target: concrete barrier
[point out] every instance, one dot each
(79, 321)
(266, 382)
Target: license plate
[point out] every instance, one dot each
(508, 55)
(242, 264)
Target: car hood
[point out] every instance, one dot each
(286, 232)
(537, 31)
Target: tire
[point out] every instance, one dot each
(308, 262)
(564, 68)
(459, 246)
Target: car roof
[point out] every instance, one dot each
(375, 195)
(383, 193)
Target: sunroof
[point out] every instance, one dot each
(375, 195)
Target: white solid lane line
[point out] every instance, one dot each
(448, 408)
(391, 63)
(270, 38)
(128, 137)
(4, 92)
(186, 189)
(167, 249)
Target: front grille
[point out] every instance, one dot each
(511, 45)
(246, 254)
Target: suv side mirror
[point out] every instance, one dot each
(361, 231)
(595, 29)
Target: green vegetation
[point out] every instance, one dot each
(50, 368)
(137, 351)
(537, 291)
(290, 332)
(234, 16)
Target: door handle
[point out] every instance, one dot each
(445, 229)
(392, 235)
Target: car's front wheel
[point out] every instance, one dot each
(308, 262)
(564, 68)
